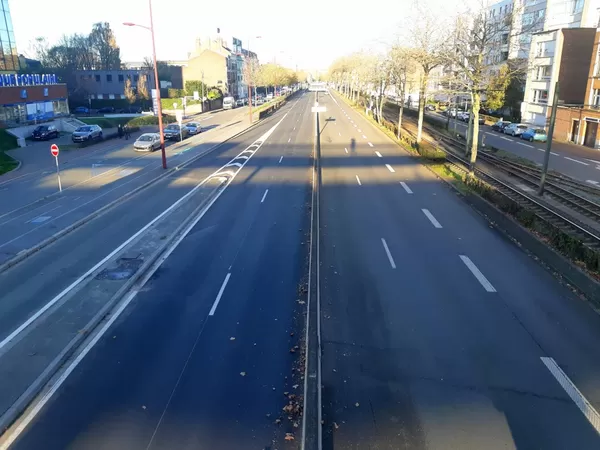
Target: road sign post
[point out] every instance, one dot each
(179, 117)
(54, 151)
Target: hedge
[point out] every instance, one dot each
(149, 120)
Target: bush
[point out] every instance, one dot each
(106, 122)
(175, 93)
(149, 120)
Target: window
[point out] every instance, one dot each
(109, 78)
(504, 56)
(136, 78)
(505, 38)
(527, 19)
(540, 96)
(97, 78)
(121, 78)
(544, 72)
(595, 98)
(577, 6)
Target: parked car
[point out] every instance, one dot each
(239, 102)
(147, 142)
(193, 128)
(481, 120)
(535, 134)
(430, 108)
(44, 132)
(86, 133)
(515, 129)
(499, 126)
(463, 116)
(106, 110)
(173, 133)
(81, 110)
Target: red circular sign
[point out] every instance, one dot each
(54, 149)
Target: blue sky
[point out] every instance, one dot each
(306, 33)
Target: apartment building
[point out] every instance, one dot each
(110, 84)
(556, 55)
(578, 123)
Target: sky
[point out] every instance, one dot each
(308, 34)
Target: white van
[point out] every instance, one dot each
(228, 103)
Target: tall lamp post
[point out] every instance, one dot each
(157, 83)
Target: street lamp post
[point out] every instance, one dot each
(157, 83)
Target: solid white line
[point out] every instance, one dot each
(280, 159)
(218, 299)
(264, 196)
(364, 137)
(389, 255)
(475, 271)
(370, 145)
(358, 181)
(525, 145)
(582, 403)
(432, 219)
(289, 140)
(406, 188)
(390, 168)
(575, 160)
(378, 154)
(69, 288)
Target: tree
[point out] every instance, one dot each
(142, 88)
(496, 89)
(192, 86)
(402, 73)
(129, 93)
(103, 43)
(429, 51)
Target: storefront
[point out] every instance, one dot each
(31, 99)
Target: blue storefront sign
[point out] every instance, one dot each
(27, 79)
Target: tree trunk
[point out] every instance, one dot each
(400, 110)
(475, 141)
(422, 90)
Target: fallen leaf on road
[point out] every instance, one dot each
(357, 404)
(277, 421)
(244, 374)
(335, 425)
(143, 407)
(295, 386)
(232, 338)
(289, 437)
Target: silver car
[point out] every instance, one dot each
(515, 129)
(86, 133)
(147, 142)
(193, 128)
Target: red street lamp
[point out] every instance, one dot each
(157, 83)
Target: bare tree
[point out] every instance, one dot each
(429, 42)
(403, 71)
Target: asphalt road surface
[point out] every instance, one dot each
(204, 354)
(436, 330)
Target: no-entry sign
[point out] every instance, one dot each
(54, 150)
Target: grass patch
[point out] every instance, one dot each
(105, 122)
(7, 142)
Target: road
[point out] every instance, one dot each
(437, 332)
(204, 354)
(579, 162)
(31, 209)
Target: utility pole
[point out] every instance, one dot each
(549, 140)
(202, 88)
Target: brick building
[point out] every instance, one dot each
(578, 122)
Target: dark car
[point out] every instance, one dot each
(500, 125)
(44, 132)
(106, 110)
(173, 133)
(81, 110)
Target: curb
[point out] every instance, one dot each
(19, 406)
(24, 254)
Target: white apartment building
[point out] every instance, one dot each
(560, 54)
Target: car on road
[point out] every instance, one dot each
(239, 102)
(229, 103)
(174, 133)
(515, 129)
(147, 142)
(193, 128)
(44, 132)
(106, 110)
(535, 135)
(86, 133)
(81, 110)
(430, 108)
(499, 126)
(269, 96)
(463, 116)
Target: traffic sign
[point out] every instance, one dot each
(179, 116)
(54, 150)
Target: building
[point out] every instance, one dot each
(30, 98)
(110, 84)
(217, 64)
(578, 123)
(170, 72)
(9, 58)
(564, 55)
